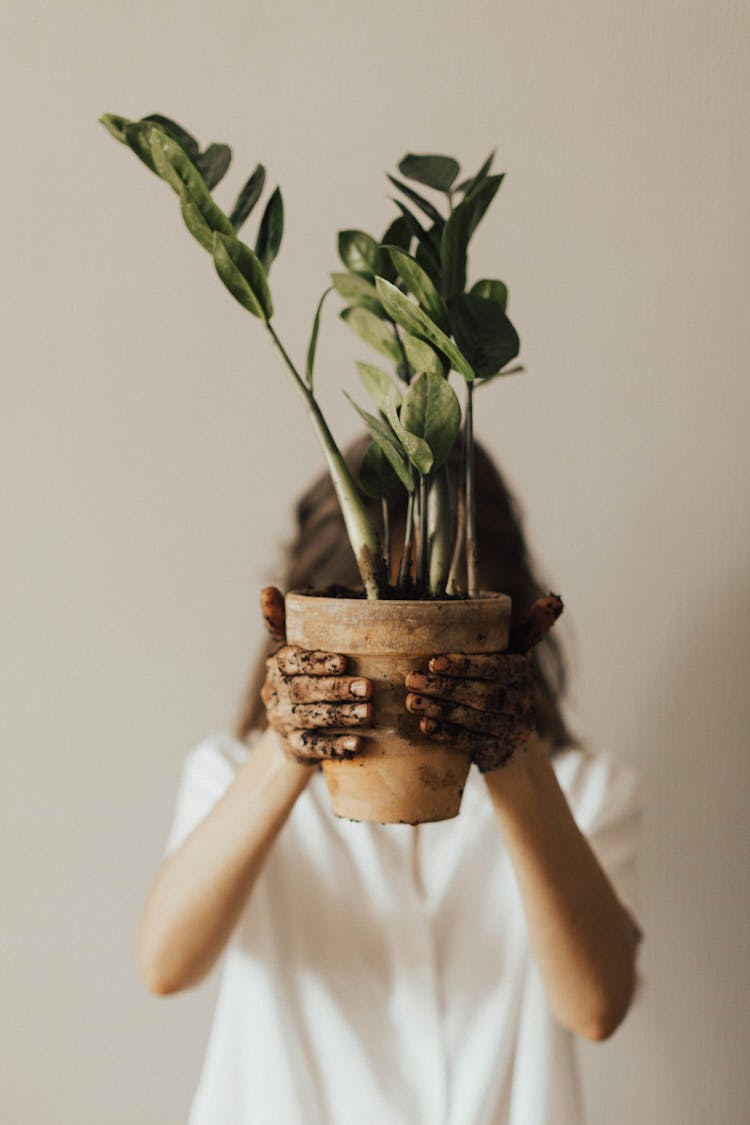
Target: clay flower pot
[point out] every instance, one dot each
(401, 777)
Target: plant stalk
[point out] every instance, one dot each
(472, 582)
(362, 535)
(404, 570)
(423, 557)
(439, 531)
(386, 536)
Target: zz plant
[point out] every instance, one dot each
(414, 309)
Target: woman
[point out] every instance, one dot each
(392, 973)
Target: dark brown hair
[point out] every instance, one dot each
(320, 555)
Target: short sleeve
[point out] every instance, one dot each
(607, 799)
(207, 772)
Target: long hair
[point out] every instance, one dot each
(320, 555)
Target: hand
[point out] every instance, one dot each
(484, 703)
(307, 697)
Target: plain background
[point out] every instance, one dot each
(152, 448)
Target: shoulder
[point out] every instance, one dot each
(218, 756)
(600, 787)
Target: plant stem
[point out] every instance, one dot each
(455, 576)
(362, 534)
(404, 570)
(439, 531)
(472, 582)
(423, 557)
(407, 365)
(386, 537)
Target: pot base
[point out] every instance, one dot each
(404, 784)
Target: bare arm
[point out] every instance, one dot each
(583, 939)
(313, 710)
(201, 888)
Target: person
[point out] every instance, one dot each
(400, 974)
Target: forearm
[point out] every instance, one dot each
(583, 939)
(202, 887)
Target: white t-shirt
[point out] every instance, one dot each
(381, 973)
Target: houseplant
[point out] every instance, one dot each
(415, 310)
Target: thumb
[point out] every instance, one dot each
(536, 624)
(274, 613)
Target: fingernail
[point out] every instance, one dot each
(417, 702)
(415, 680)
(359, 688)
(439, 664)
(429, 726)
(362, 710)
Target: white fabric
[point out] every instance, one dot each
(381, 973)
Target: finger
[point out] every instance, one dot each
(274, 612)
(500, 667)
(325, 689)
(486, 751)
(460, 739)
(309, 747)
(483, 722)
(474, 693)
(295, 661)
(536, 624)
(313, 716)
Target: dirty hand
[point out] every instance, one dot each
(307, 697)
(484, 703)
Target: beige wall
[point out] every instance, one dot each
(145, 491)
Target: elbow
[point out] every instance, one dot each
(605, 1016)
(160, 969)
(155, 974)
(603, 1026)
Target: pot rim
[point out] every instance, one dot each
(322, 599)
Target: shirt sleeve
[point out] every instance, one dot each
(207, 772)
(607, 799)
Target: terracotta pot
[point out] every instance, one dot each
(401, 777)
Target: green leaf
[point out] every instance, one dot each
(310, 362)
(375, 332)
(248, 197)
(358, 291)
(458, 231)
(483, 332)
(425, 237)
(423, 204)
(496, 291)
(421, 356)
(376, 477)
(473, 181)
(116, 125)
(414, 320)
(417, 449)
(243, 274)
(213, 163)
(359, 252)
(418, 283)
(138, 136)
(184, 139)
(507, 371)
(431, 410)
(384, 437)
(201, 214)
(379, 385)
(437, 172)
(398, 234)
(271, 230)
